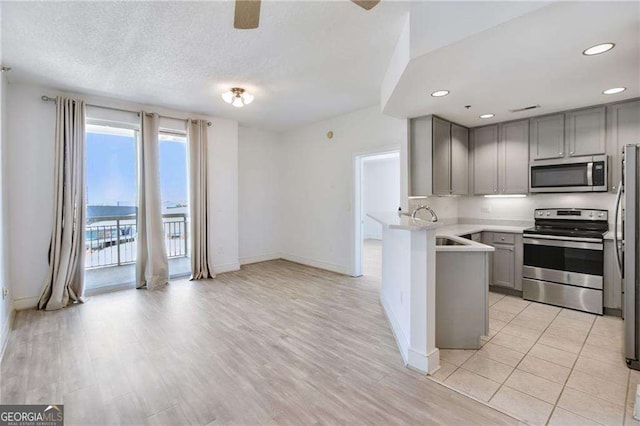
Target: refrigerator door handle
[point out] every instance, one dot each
(617, 243)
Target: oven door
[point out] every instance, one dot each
(576, 261)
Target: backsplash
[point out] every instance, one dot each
(515, 211)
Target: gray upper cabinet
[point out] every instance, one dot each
(459, 160)
(513, 164)
(624, 129)
(485, 160)
(420, 148)
(441, 157)
(438, 157)
(547, 137)
(585, 131)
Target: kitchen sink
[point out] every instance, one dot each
(445, 241)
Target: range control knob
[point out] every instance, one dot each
(548, 213)
(601, 214)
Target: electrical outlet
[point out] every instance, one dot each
(485, 209)
(5, 292)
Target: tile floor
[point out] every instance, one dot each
(546, 365)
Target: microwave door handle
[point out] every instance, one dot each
(617, 244)
(590, 173)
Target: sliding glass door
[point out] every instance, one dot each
(111, 212)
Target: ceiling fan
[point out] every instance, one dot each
(247, 15)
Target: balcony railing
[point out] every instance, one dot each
(112, 240)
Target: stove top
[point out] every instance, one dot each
(563, 232)
(570, 222)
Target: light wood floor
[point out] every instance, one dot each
(275, 343)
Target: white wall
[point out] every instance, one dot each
(317, 183)
(259, 197)
(6, 302)
(29, 172)
(380, 192)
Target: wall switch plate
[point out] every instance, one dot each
(5, 292)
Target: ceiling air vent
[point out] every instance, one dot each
(527, 108)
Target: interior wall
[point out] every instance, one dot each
(380, 192)
(317, 184)
(259, 197)
(6, 302)
(30, 149)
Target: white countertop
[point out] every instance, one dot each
(393, 221)
(464, 229)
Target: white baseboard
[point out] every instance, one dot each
(226, 267)
(401, 340)
(25, 303)
(6, 330)
(316, 263)
(261, 258)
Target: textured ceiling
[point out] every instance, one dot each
(306, 62)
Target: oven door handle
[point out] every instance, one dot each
(555, 237)
(564, 244)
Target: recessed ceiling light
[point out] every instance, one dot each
(598, 49)
(440, 93)
(614, 90)
(487, 115)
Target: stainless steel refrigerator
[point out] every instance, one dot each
(628, 250)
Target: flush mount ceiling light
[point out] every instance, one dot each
(237, 97)
(598, 49)
(614, 90)
(440, 93)
(487, 115)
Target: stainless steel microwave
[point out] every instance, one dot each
(578, 174)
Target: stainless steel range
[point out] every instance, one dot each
(564, 258)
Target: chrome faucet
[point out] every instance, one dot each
(434, 216)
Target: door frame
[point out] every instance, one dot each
(358, 160)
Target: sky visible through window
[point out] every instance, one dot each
(111, 169)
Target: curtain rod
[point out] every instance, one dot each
(46, 98)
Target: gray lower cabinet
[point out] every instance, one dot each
(624, 129)
(612, 280)
(513, 162)
(485, 160)
(547, 137)
(505, 266)
(585, 131)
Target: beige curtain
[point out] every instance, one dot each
(201, 264)
(65, 280)
(152, 265)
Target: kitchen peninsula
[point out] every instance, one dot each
(408, 289)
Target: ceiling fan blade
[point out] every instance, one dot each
(366, 4)
(247, 15)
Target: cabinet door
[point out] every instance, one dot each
(547, 137)
(485, 160)
(585, 131)
(459, 160)
(624, 129)
(503, 265)
(441, 157)
(513, 166)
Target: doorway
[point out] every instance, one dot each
(377, 189)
